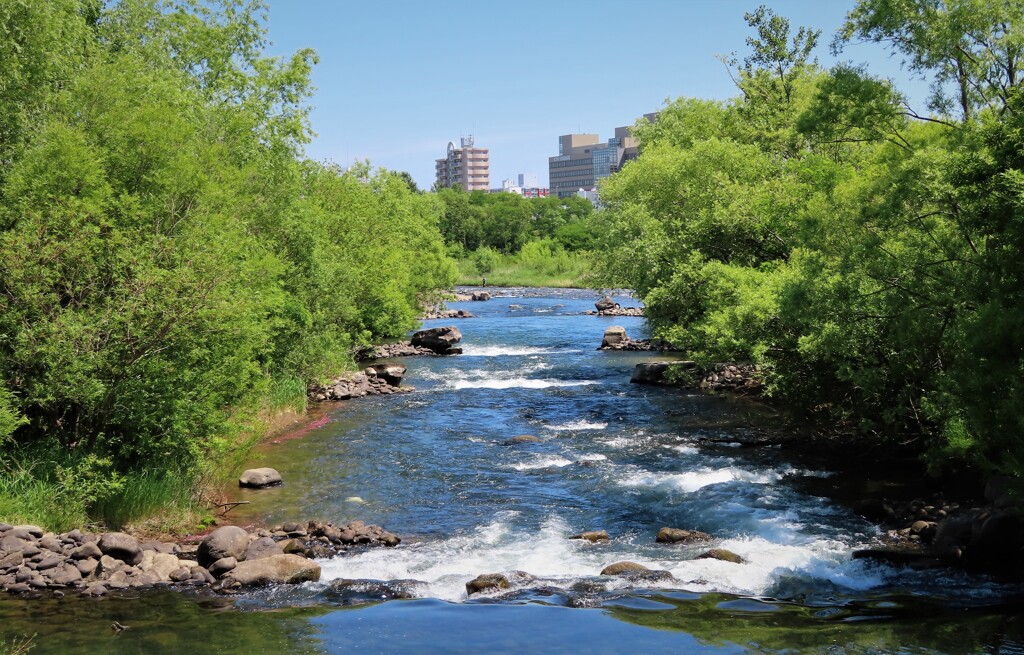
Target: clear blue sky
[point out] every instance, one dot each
(399, 79)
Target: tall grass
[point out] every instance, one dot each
(26, 497)
(155, 501)
(287, 394)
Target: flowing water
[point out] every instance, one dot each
(437, 467)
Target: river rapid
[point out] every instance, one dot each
(436, 466)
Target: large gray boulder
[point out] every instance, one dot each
(121, 546)
(605, 304)
(260, 478)
(613, 336)
(276, 569)
(229, 541)
(441, 340)
(261, 548)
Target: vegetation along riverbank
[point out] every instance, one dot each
(174, 272)
(866, 257)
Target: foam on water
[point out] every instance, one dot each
(690, 481)
(520, 383)
(541, 462)
(502, 351)
(446, 565)
(577, 425)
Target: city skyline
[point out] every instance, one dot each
(396, 88)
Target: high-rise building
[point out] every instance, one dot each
(583, 160)
(468, 166)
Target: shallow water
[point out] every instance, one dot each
(436, 467)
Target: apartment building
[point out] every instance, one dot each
(467, 166)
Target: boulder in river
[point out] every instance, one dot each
(605, 303)
(593, 536)
(614, 336)
(677, 536)
(621, 568)
(722, 555)
(260, 478)
(441, 340)
(497, 581)
(276, 569)
(523, 438)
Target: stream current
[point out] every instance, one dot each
(437, 467)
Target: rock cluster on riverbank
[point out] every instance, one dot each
(374, 380)
(931, 531)
(737, 378)
(438, 312)
(432, 342)
(226, 560)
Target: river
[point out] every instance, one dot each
(436, 467)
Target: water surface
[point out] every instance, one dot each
(436, 466)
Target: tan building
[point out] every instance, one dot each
(583, 160)
(468, 166)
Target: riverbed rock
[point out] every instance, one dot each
(620, 568)
(159, 564)
(523, 438)
(441, 340)
(63, 575)
(262, 547)
(605, 303)
(26, 532)
(722, 555)
(276, 569)
(669, 535)
(593, 536)
(498, 581)
(390, 373)
(222, 566)
(260, 478)
(121, 546)
(614, 336)
(636, 573)
(228, 541)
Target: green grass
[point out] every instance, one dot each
(164, 501)
(26, 497)
(529, 269)
(288, 393)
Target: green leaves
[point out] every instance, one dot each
(869, 261)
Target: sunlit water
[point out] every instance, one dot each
(437, 467)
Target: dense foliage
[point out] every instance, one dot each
(868, 256)
(170, 262)
(518, 241)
